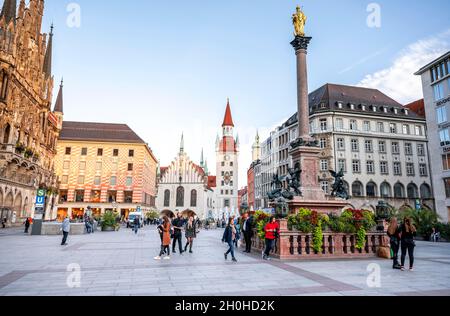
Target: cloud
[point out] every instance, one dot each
(363, 61)
(399, 81)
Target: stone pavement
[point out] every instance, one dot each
(121, 263)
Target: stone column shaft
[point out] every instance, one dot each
(302, 95)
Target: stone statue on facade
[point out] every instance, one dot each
(339, 189)
(294, 180)
(277, 188)
(299, 20)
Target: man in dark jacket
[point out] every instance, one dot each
(27, 225)
(136, 224)
(247, 229)
(177, 224)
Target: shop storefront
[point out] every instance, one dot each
(77, 213)
(62, 214)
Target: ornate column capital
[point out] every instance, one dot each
(301, 43)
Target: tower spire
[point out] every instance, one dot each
(48, 55)
(182, 143)
(202, 161)
(59, 106)
(9, 11)
(228, 119)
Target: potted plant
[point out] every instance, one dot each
(20, 148)
(29, 153)
(36, 157)
(109, 223)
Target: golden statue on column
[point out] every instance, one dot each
(299, 20)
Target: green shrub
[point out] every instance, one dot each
(361, 238)
(109, 219)
(318, 238)
(423, 219)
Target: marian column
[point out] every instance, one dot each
(305, 150)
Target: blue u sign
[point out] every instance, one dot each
(40, 200)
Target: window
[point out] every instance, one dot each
(129, 182)
(395, 148)
(100, 152)
(356, 166)
(442, 114)
(413, 192)
(423, 171)
(193, 198)
(410, 169)
(421, 149)
(66, 165)
(65, 179)
(355, 145)
(393, 128)
(369, 146)
(405, 129)
(353, 125)
(408, 149)
(399, 190)
(342, 165)
(131, 153)
(447, 187)
(115, 153)
(128, 197)
(438, 91)
(384, 167)
(167, 198)
(339, 123)
(98, 166)
(223, 173)
(223, 183)
(96, 196)
(445, 137)
(323, 125)
(80, 179)
(130, 167)
(68, 150)
(180, 197)
(380, 127)
(97, 180)
(341, 144)
(371, 189)
(323, 143)
(357, 189)
(83, 165)
(385, 190)
(446, 162)
(114, 166)
(113, 181)
(84, 151)
(397, 168)
(366, 126)
(370, 167)
(382, 147)
(79, 196)
(324, 185)
(223, 163)
(323, 165)
(231, 164)
(226, 203)
(419, 131)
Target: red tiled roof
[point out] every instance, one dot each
(228, 119)
(228, 144)
(417, 107)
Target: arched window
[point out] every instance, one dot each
(4, 86)
(180, 197)
(357, 189)
(399, 191)
(193, 198)
(412, 191)
(371, 189)
(6, 134)
(425, 191)
(167, 198)
(385, 190)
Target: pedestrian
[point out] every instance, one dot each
(4, 221)
(27, 225)
(165, 244)
(87, 224)
(65, 228)
(190, 229)
(271, 234)
(407, 233)
(229, 236)
(394, 235)
(136, 224)
(238, 232)
(435, 235)
(247, 229)
(178, 224)
(93, 224)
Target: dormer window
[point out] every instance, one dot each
(340, 105)
(395, 111)
(352, 106)
(385, 109)
(374, 108)
(406, 112)
(323, 105)
(363, 107)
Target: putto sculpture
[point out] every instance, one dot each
(293, 186)
(339, 189)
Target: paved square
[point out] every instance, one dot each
(122, 263)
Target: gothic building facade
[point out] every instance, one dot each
(29, 128)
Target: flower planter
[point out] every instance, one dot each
(108, 229)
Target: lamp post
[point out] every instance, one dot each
(382, 214)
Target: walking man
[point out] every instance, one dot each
(247, 228)
(178, 224)
(65, 228)
(136, 224)
(27, 225)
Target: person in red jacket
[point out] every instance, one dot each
(272, 230)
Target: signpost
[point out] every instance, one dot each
(39, 210)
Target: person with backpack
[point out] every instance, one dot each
(407, 233)
(271, 234)
(394, 235)
(229, 236)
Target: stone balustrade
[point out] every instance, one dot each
(295, 245)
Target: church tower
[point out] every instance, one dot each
(227, 168)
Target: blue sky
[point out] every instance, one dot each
(164, 67)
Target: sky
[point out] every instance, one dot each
(168, 67)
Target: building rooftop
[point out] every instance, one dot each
(99, 132)
(417, 107)
(429, 65)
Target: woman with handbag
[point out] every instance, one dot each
(191, 233)
(407, 233)
(394, 235)
(272, 231)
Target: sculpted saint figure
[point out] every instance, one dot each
(299, 20)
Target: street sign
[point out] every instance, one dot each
(39, 210)
(138, 209)
(40, 201)
(41, 192)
